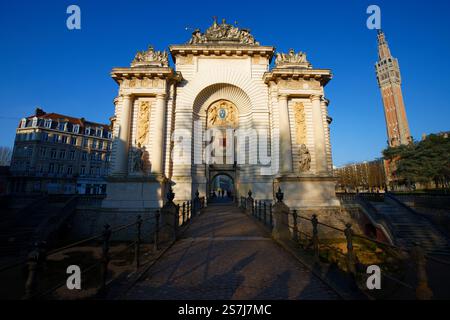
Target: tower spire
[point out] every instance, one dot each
(389, 81)
(383, 47)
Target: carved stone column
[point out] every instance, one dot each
(285, 135)
(319, 135)
(122, 143)
(157, 154)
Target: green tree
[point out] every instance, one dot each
(424, 161)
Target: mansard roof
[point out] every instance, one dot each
(57, 117)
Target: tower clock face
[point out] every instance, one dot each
(222, 113)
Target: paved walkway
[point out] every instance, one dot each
(226, 255)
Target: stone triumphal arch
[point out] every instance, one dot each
(221, 109)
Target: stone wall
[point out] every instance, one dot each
(86, 223)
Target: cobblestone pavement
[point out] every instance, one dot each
(226, 255)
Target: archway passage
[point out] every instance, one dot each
(221, 189)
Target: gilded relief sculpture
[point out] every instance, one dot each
(300, 123)
(143, 124)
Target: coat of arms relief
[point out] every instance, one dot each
(222, 114)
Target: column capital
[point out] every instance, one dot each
(315, 97)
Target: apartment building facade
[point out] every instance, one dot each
(59, 154)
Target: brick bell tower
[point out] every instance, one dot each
(389, 81)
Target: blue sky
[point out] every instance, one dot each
(45, 64)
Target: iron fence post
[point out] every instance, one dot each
(176, 223)
(265, 213)
(270, 214)
(423, 291)
(137, 250)
(33, 266)
(156, 239)
(259, 210)
(294, 228)
(105, 255)
(188, 210)
(350, 253)
(196, 202)
(315, 236)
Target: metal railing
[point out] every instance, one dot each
(40, 274)
(404, 270)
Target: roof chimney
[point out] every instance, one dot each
(39, 112)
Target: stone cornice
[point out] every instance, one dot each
(167, 73)
(276, 74)
(221, 50)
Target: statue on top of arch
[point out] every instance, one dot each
(292, 59)
(223, 33)
(150, 57)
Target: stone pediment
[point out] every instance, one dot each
(223, 34)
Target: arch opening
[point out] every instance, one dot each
(222, 188)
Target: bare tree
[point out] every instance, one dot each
(5, 156)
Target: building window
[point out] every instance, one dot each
(84, 156)
(51, 168)
(109, 135)
(91, 171)
(64, 139)
(76, 128)
(60, 169)
(107, 158)
(85, 142)
(62, 154)
(44, 136)
(108, 146)
(100, 145)
(23, 123)
(35, 122)
(87, 131)
(55, 138)
(48, 123)
(69, 170)
(42, 152)
(61, 126)
(73, 141)
(29, 151)
(83, 170)
(53, 154)
(94, 144)
(72, 155)
(99, 132)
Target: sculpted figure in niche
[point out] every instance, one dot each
(305, 159)
(138, 159)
